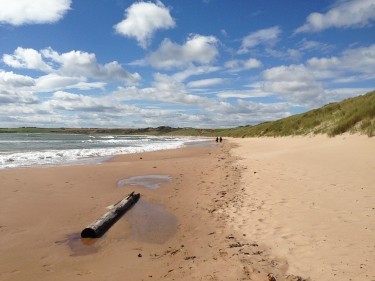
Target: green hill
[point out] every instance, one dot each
(354, 115)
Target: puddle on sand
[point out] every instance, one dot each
(148, 181)
(80, 246)
(151, 223)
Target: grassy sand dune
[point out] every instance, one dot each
(354, 115)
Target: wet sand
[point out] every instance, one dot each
(177, 231)
(215, 214)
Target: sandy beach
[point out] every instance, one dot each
(311, 201)
(246, 209)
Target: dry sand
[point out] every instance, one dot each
(247, 209)
(311, 200)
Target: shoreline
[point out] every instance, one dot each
(49, 150)
(43, 211)
(228, 213)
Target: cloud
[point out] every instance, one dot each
(295, 84)
(15, 88)
(26, 58)
(62, 100)
(243, 112)
(240, 65)
(21, 12)
(142, 19)
(167, 90)
(197, 49)
(338, 94)
(65, 108)
(316, 82)
(205, 82)
(348, 13)
(72, 70)
(13, 80)
(311, 45)
(357, 60)
(243, 94)
(200, 111)
(255, 108)
(268, 37)
(83, 63)
(73, 63)
(193, 70)
(53, 82)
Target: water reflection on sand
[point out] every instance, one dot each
(147, 181)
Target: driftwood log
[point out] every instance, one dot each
(101, 225)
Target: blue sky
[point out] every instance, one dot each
(193, 63)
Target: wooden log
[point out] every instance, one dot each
(101, 225)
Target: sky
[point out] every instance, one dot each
(180, 63)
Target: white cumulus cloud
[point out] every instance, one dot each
(359, 60)
(20, 12)
(26, 58)
(142, 19)
(348, 13)
(53, 82)
(62, 100)
(197, 49)
(73, 63)
(13, 80)
(294, 83)
(15, 88)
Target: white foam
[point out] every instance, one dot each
(79, 156)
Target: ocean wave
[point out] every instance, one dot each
(52, 157)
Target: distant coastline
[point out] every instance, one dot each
(354, 115)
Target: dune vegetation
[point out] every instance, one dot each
(353, 115)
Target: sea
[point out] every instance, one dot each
(19, 150)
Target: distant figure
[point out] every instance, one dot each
(217, 139)
(221, 139)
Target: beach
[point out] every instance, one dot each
(294, 208)
(311, 200)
